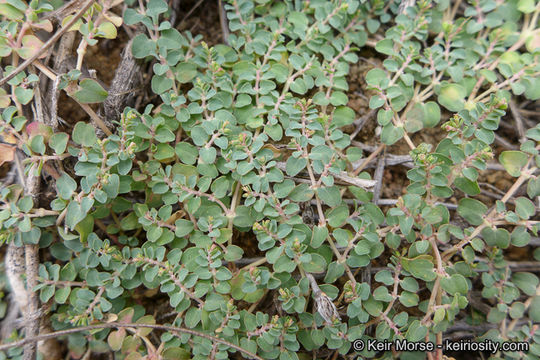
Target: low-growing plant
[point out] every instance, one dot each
(249, 143)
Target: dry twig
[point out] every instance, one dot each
(519, 121)
(173, 329)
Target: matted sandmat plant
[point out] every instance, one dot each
(219, 201)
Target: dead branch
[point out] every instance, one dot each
(64, 51)
(173, 329)
(223, 21)
(379, 172)
(343, 176)
(121, 90)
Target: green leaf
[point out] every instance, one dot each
(533, 187)
(338, 98)
(164, 152)
(373, 307)
(160, 84)
(317, 264)
(75, 213)
(375, 76)
(414, 120)
(208, 155)
(408, 283)
(274, 131)
(186, 153)
(176, 353)
(25, 204)
(243, 217)
(233, 253)
(295, 165)
(375, 213)
(335, 271)
(439, 315)
(129, 222)
(525, 208)
(183, 227)
(299, 86)
(163, 134)
(60, 251)
(84, 228)
(422, 269)
(283, 189)
(467, 186)
(192, 317)
(385, 46)
(37, 144)
(337, 216)
(526, 6)
(46, 293)
(385, 277)
(107, 30)
(298, 19)
(520, 237)
(24, 96)
(408, 299)
(330, 196)
(284, 264)
(343, 116)
(513, 161)
(496, 237)
(58, 142)
(381, 293)
(452, 97)
(84, 134)
(156, 7)
(416, 331)
(301, 193)
(142, 47)
(61, 295)
(421, 116)
(90, 92)
(526, 282)
(185, 72)
(534, 309)
(376, 101)
(532, 85)
(455, 284)
(65, 186)
(472, 210)
(391, 134)
(11, 12)
(319, 235)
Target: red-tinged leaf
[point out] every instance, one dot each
(126, 315)
(7, 153)
(147, 319)
(5, 98)
(116, 339)
(43, 25)
(30, 46)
